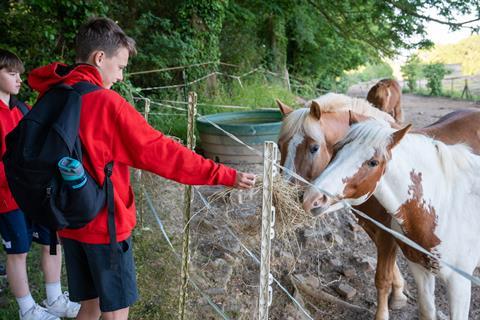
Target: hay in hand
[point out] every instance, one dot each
(286, 200)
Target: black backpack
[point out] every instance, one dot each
(45, 135)
(19, 105)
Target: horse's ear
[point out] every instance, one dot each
(284, 109)
(398, 135)
(315, 110)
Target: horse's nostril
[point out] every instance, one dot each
(324, 198)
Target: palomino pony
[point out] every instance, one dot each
(386, 95)
(306, 143)
(430, 190)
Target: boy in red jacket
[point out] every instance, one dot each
(112, 130)
(16, 229)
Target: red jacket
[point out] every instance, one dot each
(111, 129)
(10, 116)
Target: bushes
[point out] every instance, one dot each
(412, 71)
(435, 73)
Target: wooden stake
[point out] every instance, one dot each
(192, 105)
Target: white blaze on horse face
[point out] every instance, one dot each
(346, 164)
(296, 140)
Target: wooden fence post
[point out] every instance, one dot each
(466, 91)
(192, 105)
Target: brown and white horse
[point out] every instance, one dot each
(386, 95)
(306, 143)
(429, 189)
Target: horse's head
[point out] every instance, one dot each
(359, 163)
(307, 138)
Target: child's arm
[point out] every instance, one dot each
(137, 144)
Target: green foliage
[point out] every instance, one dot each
(42, 31)
(369, 72)
(254, 93)
(464, 52)
(201, 24)
(316, 40)
(412, 71)
(435, 73)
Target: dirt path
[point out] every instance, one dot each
(421, 110)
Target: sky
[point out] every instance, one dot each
(439, 34)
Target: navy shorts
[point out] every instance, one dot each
(18, 231)
(89, 274)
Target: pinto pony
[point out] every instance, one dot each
(431, 192)
(386, 95)
(306, 143)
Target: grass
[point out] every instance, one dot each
(157, 280)
(254, 93)
(9, 307)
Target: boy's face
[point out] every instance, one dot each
(111, 68)
(10, 81)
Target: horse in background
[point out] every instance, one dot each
(306, 143)
(386, 95)
(429, 189)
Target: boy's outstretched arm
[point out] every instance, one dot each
(136, 144)
(244, 180)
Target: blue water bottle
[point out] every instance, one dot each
(72, 172)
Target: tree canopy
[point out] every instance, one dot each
(316, 40)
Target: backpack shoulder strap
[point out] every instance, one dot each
(22, 107)
(84, 87)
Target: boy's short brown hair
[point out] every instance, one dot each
(102, 34)
(10, 61)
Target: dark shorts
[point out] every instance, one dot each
(90, 276)
(18, 232)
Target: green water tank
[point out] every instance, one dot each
(251, 127)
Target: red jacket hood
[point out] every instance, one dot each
(43, 78)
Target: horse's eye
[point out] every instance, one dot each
(314, 148)
(372, 163)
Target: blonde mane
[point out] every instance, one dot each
(299, 121)
(335, 102)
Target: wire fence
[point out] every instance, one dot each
(463, 87)
(250, 253)
(179, 106)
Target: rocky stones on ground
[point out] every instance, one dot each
(346, 291)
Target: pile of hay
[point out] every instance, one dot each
(286, 200)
